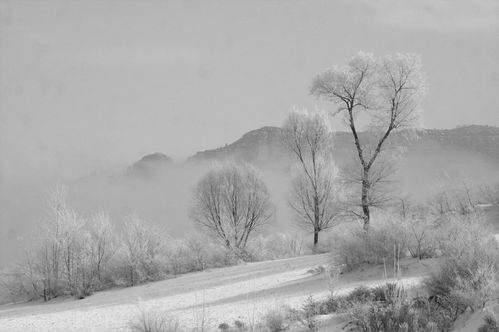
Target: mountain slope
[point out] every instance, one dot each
(267, 142)
(252, 146)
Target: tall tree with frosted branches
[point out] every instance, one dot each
(313, 196)
(385, 91)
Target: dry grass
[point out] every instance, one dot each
(154, 322)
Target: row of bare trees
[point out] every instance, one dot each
(77, 255)
(232, 201)
(72, 251)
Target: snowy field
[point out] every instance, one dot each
(220, 295)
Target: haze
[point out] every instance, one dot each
(92, 86)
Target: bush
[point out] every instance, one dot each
(490, 324)
(307, 315)
(224, 327)
(421, 229)
(384, 242)
(275, 320)
(389, 318)
(468, 278)
(275, 246)
(239, 326)
(14, 286)
(360, 295)
(395, 312)
(469, 275)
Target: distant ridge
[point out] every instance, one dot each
(253, 145)
(266, 142)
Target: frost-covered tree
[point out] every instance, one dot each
(385, 92)
(62, 264)
(232, 202)
(142, 248)
(102, 243)
(314, 191)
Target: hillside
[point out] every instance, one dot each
(252, 146)
(267, 142)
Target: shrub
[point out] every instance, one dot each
(490, 324)
(388, 318)
(360, 295)
(275, 320)
(469, 275)
(395, 312)
(420, 229)
(468, 278)
(240, 326)
(275, 246)
(14, 286)
(307, 315)
(384, 242)
(224, 327)
(462, 235)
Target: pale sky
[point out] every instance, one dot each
(91, 85)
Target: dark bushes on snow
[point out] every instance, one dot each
(490, 324)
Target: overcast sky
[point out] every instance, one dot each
(91, 85)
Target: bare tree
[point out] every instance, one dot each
(385, 90)
(72, 248)
(68, 247)
(232, 202)
(102, 242)
(49, 267)
(313, 197)
(62, 264)
(141, 247)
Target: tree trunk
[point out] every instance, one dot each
(316, 239)
(98, 272)
(317, 221)
(365, 200)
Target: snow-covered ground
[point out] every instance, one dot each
(220, 295)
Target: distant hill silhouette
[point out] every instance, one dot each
(150, 164)
(252, 146)
(266, 143)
